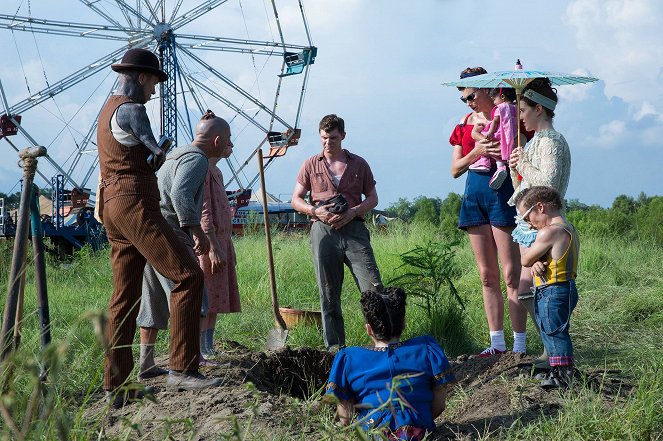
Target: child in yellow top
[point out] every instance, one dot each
(553, 259)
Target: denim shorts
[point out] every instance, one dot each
(482, 205)
(553, 306)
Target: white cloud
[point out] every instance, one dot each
(647, 109)
(621, 41)
(610, 134)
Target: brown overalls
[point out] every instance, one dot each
(138, 233)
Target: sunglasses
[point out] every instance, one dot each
(470, 97)
(527, 213)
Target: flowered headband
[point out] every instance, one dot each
(540, 99)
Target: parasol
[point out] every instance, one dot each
(518, 79)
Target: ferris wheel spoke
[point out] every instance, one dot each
(126, 9)
(196, 12)
(71, 80)
(82, 149)
(91, 4)
(53, 27)
(227, 102)
(48, 158)
(176, 9)
(236, 45)
(17, 149)
(235, 87)
(129, 18)
(153, 11)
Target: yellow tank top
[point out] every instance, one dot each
(565, 268)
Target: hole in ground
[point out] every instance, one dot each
(297, 372)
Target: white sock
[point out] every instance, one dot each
(519, 342)
(497, 340)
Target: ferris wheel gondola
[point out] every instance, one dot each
(252, 75)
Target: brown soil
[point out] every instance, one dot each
(491, 395)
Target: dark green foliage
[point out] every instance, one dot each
(628, 219)
(426, 210)
(430, 211)
(401, 209)
(431, 270)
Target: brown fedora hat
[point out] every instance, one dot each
(140, 60)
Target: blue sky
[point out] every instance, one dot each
(380, 65)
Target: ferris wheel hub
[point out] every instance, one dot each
(161, 30)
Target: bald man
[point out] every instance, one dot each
(181, 186)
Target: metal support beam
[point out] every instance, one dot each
(168, 87)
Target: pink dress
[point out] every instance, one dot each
(222, 287)
(508, 129)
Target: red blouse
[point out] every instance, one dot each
(462, 136)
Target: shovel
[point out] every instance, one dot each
(277, 336)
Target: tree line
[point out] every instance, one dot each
(628, 218)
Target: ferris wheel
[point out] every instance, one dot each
(235, 57)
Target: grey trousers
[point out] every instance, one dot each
(331, 249)
(155, 300)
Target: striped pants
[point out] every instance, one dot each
(138, 233)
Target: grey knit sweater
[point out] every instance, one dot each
(181, 184)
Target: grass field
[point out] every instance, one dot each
(617, 325)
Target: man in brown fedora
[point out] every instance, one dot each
(138, 233)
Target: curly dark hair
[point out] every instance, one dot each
(384, 311)
(330, 122)
(546, 195)
(471, 72)
(544, 87)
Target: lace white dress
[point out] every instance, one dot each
(546, 160)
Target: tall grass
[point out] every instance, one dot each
(617, 324)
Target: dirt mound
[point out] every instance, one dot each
(295, 372)
(491, 395)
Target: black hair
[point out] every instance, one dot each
(471, 72)
(546, 195)
(508, 92)
(384, 311)
(544, 87)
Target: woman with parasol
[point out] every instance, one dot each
(544, 161)
(488, 219)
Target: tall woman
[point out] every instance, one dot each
(545, 160)
(488, 220)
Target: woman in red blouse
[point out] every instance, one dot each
(488, 220)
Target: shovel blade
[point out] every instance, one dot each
(276, 339)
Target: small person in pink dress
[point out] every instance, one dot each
(219, 264)
(503, 127)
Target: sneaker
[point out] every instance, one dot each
(498, 178)
(489, 352)
(151, 372)
(560, 377)
(542, 375)
(126, 395)
(178, 381)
